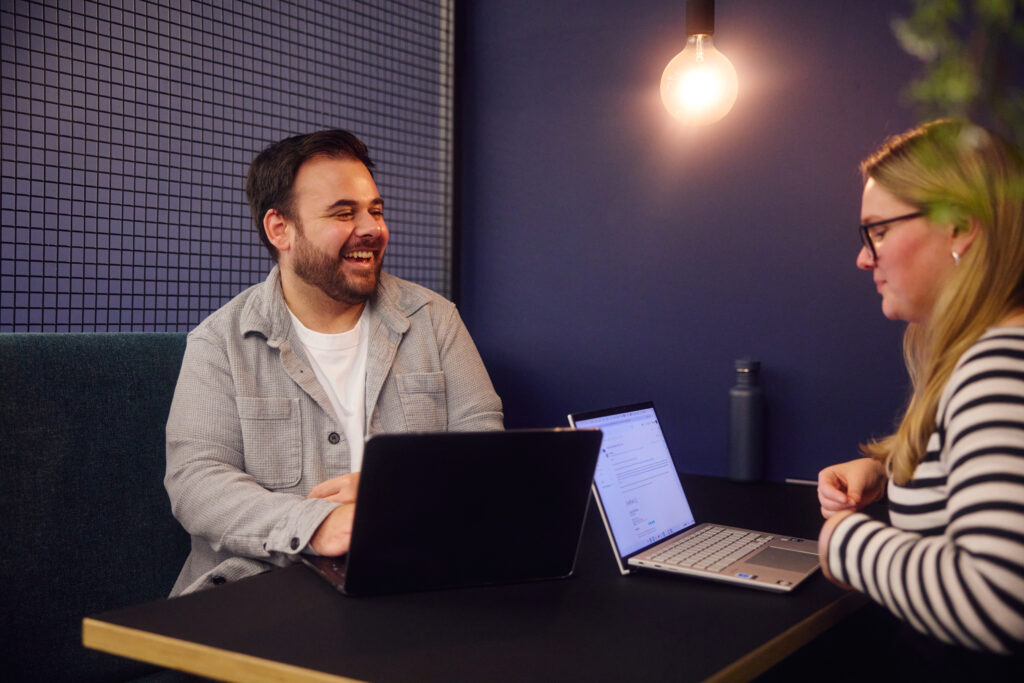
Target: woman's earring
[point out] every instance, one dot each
(956, 258)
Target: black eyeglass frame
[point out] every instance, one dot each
(865, 235)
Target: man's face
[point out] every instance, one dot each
(340, 234)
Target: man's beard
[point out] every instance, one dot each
(325, 273)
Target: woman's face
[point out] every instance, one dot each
(914, 256)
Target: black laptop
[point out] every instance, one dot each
(456, 509)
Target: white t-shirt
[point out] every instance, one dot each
(339, 361)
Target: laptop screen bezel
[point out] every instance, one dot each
(623, 558)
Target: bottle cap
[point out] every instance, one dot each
(747, 365)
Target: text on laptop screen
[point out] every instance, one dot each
(640, 490)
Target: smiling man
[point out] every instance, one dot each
(280, 388)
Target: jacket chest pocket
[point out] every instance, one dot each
(271, 439)
(423, 401)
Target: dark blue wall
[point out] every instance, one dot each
(610, 257)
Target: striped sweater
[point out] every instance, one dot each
(952, 562)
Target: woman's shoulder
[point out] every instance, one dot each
(997, 344)
(993, 365)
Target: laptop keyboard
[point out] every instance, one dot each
(713, 548)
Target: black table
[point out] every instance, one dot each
(595, 626)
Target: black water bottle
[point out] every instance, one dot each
(746, 423)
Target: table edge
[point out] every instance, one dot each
(765, 656)
(194, 658)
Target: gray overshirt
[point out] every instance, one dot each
(251, 430)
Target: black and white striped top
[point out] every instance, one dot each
(952, 562)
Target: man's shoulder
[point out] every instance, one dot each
(405, 297)
(227, 320)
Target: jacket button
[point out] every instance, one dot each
(333, 437)
(295, 544)
(217, 580)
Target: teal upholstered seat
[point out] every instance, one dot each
(86, 523)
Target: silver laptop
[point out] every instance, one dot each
(450, 510)
(649, 521)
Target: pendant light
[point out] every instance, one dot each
(699, 85)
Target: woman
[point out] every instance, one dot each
(942, 223)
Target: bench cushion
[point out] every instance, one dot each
(87, 524)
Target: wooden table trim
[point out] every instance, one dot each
(758, 661)
(194, 658)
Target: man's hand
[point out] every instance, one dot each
(341, 489)
(850, 485)
(334, 535)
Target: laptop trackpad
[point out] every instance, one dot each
(784, 559)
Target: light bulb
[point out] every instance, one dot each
(699, 85)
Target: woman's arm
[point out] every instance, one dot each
(963, 586)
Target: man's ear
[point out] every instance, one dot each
(963, 238)
(278, 230)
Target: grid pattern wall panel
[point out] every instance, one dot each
(129, 125)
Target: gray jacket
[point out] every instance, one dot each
(251, 430)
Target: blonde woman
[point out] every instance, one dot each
(942, 223)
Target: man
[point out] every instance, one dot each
(279, 388)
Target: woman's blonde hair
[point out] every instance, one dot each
(962, 175)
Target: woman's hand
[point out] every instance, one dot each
(823, 539)
(850, 485)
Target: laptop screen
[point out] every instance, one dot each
(636, 479)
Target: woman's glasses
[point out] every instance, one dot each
(871, 235)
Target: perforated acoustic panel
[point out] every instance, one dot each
(128, 128)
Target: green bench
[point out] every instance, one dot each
(86, 521)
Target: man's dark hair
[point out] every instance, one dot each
(272, 173)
